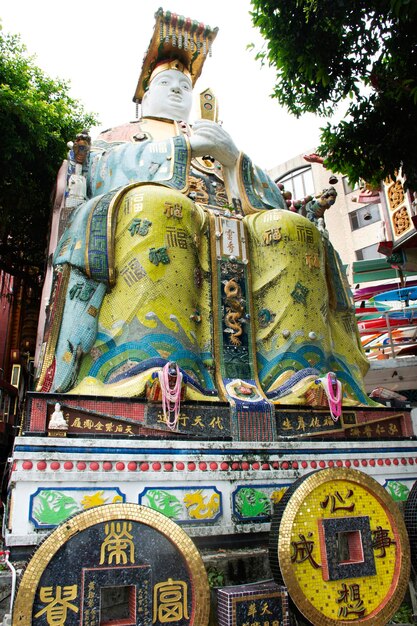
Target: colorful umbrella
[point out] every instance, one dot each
(396, 295)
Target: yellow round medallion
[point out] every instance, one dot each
(339, 544)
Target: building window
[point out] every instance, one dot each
(369, 252)
(348, 188)
(365, 215)
(299, 182)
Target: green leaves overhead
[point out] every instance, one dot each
(360, 52)
(37, 118)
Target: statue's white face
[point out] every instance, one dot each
(169, 95)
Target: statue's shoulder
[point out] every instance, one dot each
(118, 134)
(138, 131)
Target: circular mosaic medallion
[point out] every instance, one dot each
(410, 519)
(115, 564)
(339, 544)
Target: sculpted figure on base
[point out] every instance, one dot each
(184, 252)
(57, 421)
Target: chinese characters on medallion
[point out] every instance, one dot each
(117, 549)
(343, 534)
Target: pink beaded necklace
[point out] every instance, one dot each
(171, 397)
(334, 397)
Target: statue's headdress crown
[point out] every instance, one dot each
(177, 43)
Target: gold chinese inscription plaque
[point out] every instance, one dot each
(120, 548)
(340, 545)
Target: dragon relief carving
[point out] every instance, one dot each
(197, 506)
(198, 186)
(235, 311)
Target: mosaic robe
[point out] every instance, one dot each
(158, 266)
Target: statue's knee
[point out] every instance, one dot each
(161, 203)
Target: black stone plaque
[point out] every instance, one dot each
(205, 421)
(305, 422)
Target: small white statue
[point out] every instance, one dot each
(77, 188)
(322, 228)
(57, 421)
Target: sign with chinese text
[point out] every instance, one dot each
(340, 546)
(257, 604)
(119, 550)
(194, 420)
(83, 422)
(390, 427)
(304, 422)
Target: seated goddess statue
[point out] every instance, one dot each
(184, 252)
(57, 421)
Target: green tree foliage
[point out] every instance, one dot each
(37, 118)
(361, 52)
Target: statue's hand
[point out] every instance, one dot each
(209, 138)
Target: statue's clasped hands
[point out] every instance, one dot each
(209, 138)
